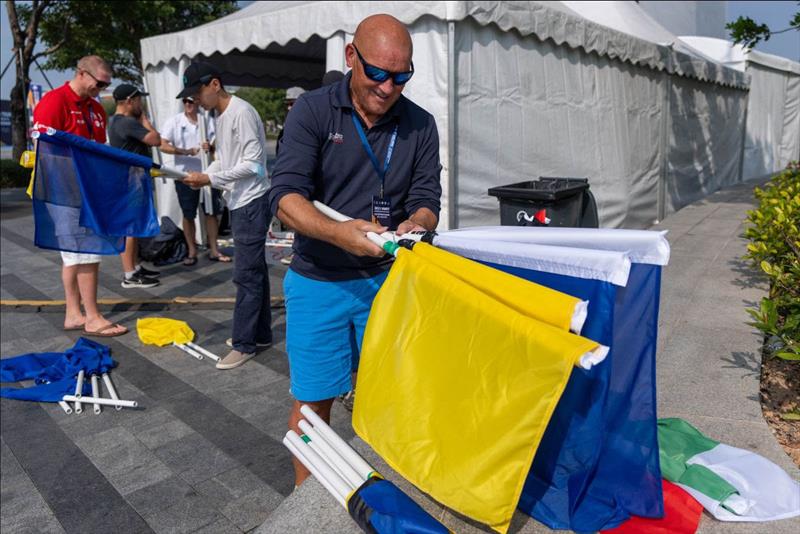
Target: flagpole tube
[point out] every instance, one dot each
(104, 401)
(331, 455)
(314, 462)
(189, 351)
(203, 351)
(340, 445)
(314, 471)
(110, 387)
(95, 394)
(169, 172)
(79, 391)
(65, 407)
(380, 240)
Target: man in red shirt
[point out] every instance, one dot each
(72, 108)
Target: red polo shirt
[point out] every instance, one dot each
(64, 110)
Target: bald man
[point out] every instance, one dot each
(362, 148)
(72, 108)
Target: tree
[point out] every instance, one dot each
(72, 29)
(749, 33)
(269, 103)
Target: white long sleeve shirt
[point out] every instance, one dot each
(241, 166)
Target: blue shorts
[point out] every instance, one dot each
(325, 324)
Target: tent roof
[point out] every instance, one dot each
(735, 55)
(264, 25)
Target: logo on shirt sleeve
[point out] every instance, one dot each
(336, 138)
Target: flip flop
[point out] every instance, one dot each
(188, 261)
(220, 258)
(103, 332)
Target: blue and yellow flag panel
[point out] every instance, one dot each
(456, 386)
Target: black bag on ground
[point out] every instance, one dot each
(168, 247)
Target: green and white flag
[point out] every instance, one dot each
(733, 484)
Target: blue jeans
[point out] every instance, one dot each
(252, 319)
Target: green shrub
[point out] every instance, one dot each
(12, 175)
(774, 233)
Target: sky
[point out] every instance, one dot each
(775, 14)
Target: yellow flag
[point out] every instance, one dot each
(161, 331)
(530, 299)
(456, 387)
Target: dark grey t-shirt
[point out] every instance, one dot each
(127, 133)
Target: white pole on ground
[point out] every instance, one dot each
(203, 351)
(318, 467)
(65, 407)
(189, 351)
(340, 445)
(103, 401)
(96, 394)
(330, 455)
(79, 391)
(110, 387)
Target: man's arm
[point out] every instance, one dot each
(168, 148)
(298, 213)
(421, 220)
(152, 137)
(424, 195)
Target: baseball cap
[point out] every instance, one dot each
(293, 93)
(197, 74)
(125, 90)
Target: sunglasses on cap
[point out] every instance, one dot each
(377, 74)
(99, 83)
(188, 101)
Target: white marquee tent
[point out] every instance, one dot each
(518, 90)
(772, 137)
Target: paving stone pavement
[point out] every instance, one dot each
(204, 452)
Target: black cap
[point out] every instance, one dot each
(197, 74)
(125, 91)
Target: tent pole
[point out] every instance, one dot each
(452, 92)
(665, 122)
(744, 132)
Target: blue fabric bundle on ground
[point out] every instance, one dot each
(380, 507)
(54, 373)
(88, 197)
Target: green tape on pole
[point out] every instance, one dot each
(305, 438)
(391, 247)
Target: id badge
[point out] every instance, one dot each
(381, 211)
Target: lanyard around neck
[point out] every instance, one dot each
(371, 154)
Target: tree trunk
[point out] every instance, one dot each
(19, 119)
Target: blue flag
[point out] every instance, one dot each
(54, 373)
(88, 197)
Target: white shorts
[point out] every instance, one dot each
(76, 258)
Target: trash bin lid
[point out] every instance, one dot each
(545, 188)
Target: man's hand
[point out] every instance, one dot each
(206, 146)
(408, 226)
(196, 180)
(193, 151)
(352, 237)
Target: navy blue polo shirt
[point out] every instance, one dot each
(321, 158)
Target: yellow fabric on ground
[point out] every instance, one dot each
(161, 331)
(455, 388)
(531, 299)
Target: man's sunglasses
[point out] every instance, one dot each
(187, 101)
(377, 74)
(99, 83)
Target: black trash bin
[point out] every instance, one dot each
(548, 201)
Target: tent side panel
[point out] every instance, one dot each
(528, 108)
(163, 83)
(705, 140)
(765, 120)
(790, 140)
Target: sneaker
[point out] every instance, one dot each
(139, 280)
(234, 359)
(287, 260)
(266, 345)
(347, 400)
(148, 273)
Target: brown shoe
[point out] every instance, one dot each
(234, 359)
